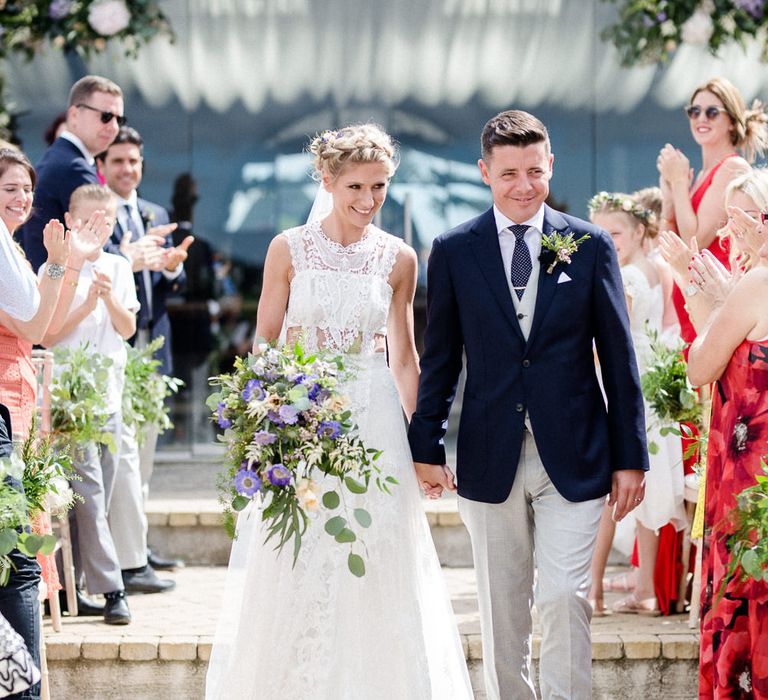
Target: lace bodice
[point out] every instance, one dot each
(340, 295)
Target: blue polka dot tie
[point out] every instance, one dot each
(521, 266)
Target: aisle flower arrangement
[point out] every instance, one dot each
(648, 31)
(32, 481)
(292, 446)
(146, 390)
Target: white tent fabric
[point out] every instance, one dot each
(434, 52)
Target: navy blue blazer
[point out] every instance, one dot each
(551, 376)
(158, 323)
(62, 169)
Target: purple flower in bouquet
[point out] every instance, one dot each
(330, 429)
(59, 9)
(661, 17)
(279, 475)
(753, 7)
(223, 421)
(264, 437)
(253, 388)
(314, 392)
(299, 378)
(289, 415)
(274, 418)
(247, 483)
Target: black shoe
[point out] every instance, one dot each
(159, 564)
(85, 608)
(145, 580)
(116, 610)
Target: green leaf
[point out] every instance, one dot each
(48, 545)
(240, 502)
(653, 448)
(32, 543)
(356, 565)
(345, 536)
(363, 517)
(354, 486)
(331, 500)
(8, 539)
(335, 525)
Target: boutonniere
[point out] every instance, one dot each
(147, 216)
(556, 247)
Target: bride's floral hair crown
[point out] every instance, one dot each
(356, 143)
(617, 201)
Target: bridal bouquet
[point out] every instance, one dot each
(292, 445)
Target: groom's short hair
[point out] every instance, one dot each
(512, 128)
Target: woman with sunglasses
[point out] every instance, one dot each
(695, 207)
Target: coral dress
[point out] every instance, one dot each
(18, 381)
(734, 628)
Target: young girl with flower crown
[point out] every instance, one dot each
(646, 287)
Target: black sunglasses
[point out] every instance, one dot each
(694, 112)
(105, 117)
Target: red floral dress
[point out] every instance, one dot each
(734, 627)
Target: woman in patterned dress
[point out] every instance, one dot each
(732, 350)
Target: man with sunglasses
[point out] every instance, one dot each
(94, 116)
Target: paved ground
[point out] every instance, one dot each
(192, 609)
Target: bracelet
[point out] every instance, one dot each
(74, 269)
(70, 283)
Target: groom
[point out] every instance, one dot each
(537, 450)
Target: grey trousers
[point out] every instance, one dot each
(127, 520)
(93, 548)
(535, 528)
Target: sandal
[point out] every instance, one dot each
(598, 610)
(621, 583)
(632, 606)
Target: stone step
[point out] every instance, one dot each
(190, 529)
(164, 652)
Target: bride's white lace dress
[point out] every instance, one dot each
(316, 631)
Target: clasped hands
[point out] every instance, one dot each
(434, 479)
(149, 253)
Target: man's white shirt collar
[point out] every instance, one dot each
(532, 235)
(69, 136)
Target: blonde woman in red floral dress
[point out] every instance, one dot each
(731, 350)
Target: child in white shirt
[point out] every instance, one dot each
(103, 313)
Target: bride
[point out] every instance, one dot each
(316, 631)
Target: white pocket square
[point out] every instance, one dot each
(563, 278)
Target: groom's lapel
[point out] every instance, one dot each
(553, 221)
(485, 244)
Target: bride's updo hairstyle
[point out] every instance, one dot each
(357, 143)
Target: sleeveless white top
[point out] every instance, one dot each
(340, 295)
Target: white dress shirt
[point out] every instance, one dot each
(19, 297)
(523, 307)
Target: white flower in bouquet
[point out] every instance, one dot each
(60, 499)
(698, 28)
(109, 17)
(308, 495)
(668, 28)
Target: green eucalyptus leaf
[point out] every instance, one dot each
(331, 500)
(354, 486)
(335, 525)
(346, 536)
(8, 539)
(240, 502)
(363, 517)
(356, 565)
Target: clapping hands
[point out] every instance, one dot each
(673, 166)
(88, 238)
(149, 253)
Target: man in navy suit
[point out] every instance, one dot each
(142, 235)
(537, 448)
(94, 115)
